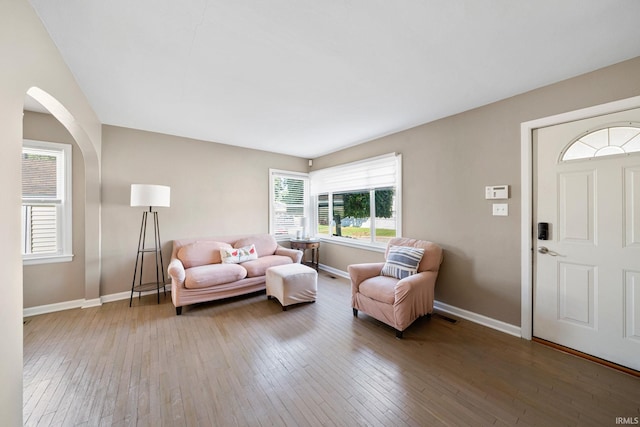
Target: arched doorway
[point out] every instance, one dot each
(91, 191)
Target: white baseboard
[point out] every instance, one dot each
(127, 294)
(79, 303)
(334, 271)
(478, 318)
(118, 297)
(437, 305)
(88, 303)
(50, 308)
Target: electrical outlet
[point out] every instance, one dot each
(500, 209)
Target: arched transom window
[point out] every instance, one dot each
(609, 141)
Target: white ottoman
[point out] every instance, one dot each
(292, 284)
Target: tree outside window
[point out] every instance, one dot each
(355, 217)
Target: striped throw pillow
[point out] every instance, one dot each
(402, 261)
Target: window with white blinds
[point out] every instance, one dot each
(359, 202)
(288, 204)
(46, 202)
(376, 172)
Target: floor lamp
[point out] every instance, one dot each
(151, 196)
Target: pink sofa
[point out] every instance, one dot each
(198, 273)
(396, 302)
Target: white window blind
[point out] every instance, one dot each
(376, 172)
(289, 193)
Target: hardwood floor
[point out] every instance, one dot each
(246, 362)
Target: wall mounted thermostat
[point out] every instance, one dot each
(497, 192)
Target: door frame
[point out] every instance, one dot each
(526, 202)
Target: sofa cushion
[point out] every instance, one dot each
(402, 261)
(379, 288)
(259, 266)
(213, 274)
(265, 243)
(236, 256)
(201, 253)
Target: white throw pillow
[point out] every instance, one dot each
(238, 255)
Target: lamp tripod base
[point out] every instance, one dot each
(156, 250)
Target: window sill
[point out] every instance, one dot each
(352, 243)
(49, 259)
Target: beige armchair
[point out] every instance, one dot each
(396, 302)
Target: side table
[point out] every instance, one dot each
(303, 245)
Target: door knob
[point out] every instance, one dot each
(544, 250)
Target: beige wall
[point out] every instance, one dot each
(219, 189)
(447, 164)
(216, 189)
(59, 282)
(30, 59)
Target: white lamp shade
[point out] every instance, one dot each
(150, 195)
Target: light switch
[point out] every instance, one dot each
(500, 209)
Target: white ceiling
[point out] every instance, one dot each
(309, 77)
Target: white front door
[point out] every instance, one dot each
(587, 274)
